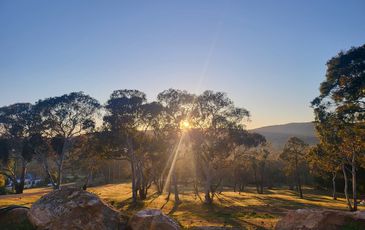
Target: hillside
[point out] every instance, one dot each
(279, 134)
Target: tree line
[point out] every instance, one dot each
(199, 140)
(207, 130)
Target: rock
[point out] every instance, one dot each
(15, 217)
(321, 219)
(73, 208)
(152, 219)
(214, 228)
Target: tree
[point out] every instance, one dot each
(325, 157)
(16, 122)
(177, 108)
(43, 153)
(215, 118)
(322, 163)
(62, 119)
(157, 144)
(251, 151)
(87, 157)
(258, 157)
(342, 98)
(294, 156)
(123, 119)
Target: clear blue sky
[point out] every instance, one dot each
(269, 56)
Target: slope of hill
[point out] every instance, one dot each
(279, 134)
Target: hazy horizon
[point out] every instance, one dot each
(269, 57)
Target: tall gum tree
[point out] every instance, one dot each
(123, 122)
(214, 119)
(16, 122)
(342, 97)
(177, 109)
(63, 118)
(294, 155)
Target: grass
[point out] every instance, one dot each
(247, 210)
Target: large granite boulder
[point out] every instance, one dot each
(152, 219)
(14, 217)
(73, 208)
(321, 219)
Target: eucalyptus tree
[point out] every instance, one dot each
(214, 119)
(16, 122)
(323, 163)
(64, 118)
(43, 154)
(342, 96)
(157, 144)
(251, 152)
(177, 105)
(123, 122)
(326, 156)
(258, 156)
(294, 155)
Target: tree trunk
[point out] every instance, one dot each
(134, 191)
(169, 189)
(299, 185)
(262, 179)
(86, 184)
(353, 172)
(256, 181)
(60, 165)
(176, 189)
(345, 188)
(334, 195)
(159, 184)
(133, 162)
(242, 187)
(49, 175)
(59, 172)
(19, 188)
(143, 184)
(208, 184)
(196, 189)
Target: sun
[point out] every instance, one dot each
(185, 124)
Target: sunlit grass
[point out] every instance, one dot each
(248, 209)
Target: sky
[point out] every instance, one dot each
(268, 56)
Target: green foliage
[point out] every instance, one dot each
(344, 87)
(340, 116)
(294, 152)
(67, 115)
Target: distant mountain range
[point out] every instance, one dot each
(279, 134)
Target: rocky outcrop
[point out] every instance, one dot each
(14, 217)
(73, 208)
(321, 219)
(152, 219)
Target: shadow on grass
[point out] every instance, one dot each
(153, 197)
(217, 214)
(128, 205)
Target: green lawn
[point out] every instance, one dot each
(246, 210)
